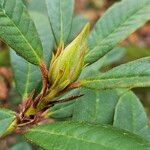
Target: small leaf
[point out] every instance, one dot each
(60, 15)
(130, 115)
(21, 146)
(96, 107)
(81, 136)
(19, 32)
(129, 75)
(117, 24)
(7, 117)
(27, 76)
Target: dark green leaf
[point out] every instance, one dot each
(129, 75)
(117, 23)
(60, 17)
(81, 136)
(130, 115)
(18, 30)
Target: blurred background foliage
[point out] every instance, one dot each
(136, 46)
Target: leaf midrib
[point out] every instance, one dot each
(126, 77)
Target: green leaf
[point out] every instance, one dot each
(81, 136)
(77, 25)
(44, 30)
(7, 117)
(21, 146)
(60, 17)
(117, 23)
(27, 76)
(129, 75)
(96, 107)
(19, 32)
(130, 115)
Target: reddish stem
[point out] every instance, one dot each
(44, 73)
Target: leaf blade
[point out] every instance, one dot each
(129, 75)
(78, 136)
(19, 32)
(116, 25)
